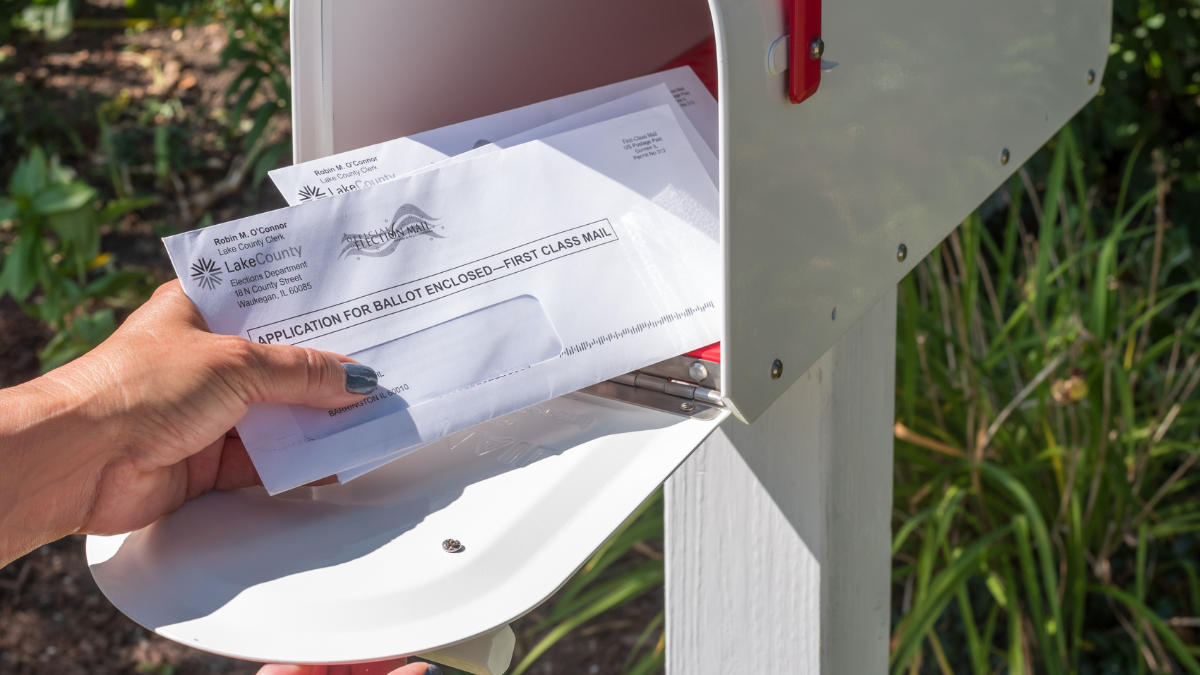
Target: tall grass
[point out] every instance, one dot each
(1048, 357)
(1047, 360)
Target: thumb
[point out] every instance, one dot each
(298, 375)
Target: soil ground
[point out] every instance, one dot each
(53, 618)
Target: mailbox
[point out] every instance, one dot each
(853, 138)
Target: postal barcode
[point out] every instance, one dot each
(638, 328)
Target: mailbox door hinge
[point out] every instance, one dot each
(659, 393)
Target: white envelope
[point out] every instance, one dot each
(647, 98)
(375, 164)
(476, 288)
(642, 100)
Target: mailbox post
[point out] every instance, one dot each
(778, 533)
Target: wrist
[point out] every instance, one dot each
(53, 449)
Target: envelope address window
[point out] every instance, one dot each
(443, 359)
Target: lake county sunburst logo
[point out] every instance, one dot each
(206, 273)
(309, 192)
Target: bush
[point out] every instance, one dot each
(1046, 380)
(52, 264)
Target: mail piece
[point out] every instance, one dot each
(475, 289)
(647, 98)
(375, 164)
(642, 100)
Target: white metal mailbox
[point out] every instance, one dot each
(923, 109)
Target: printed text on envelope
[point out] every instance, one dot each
(400, 297)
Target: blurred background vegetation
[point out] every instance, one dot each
(1048, 351)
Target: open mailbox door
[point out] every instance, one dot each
(923, 110)
(362, 571)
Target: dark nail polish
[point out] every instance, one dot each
(433, 670)
(359, 378)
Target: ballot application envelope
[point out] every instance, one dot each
(909, 115)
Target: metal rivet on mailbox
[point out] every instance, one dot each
(816, 48)
(1091, 76)
(777, 369)
(698, 371)
(1004, 156)
(452, 546)
(687, 407)
(901, 253)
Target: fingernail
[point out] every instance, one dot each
(433, 670)
(359, 378)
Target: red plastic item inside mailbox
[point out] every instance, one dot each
(804, 75)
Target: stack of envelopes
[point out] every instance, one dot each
(479, 268)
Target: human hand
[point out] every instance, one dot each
(394, 667)
(128, 432)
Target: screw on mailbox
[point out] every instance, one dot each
(816, 48)
(698, 371)
(452, 546)
(1091, 76)
(687, 406)
(901, 253)
(1004, 156)
(777, 369)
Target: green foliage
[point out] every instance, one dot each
(26, 120)
(260, 93)
(1149, 89)
(607, 582)
(52, 263)
(53, 19)
(1047, 363)
(259, 96)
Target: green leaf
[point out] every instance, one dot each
(79, 230)
(1139, 609)
(268, 160)
(29, 178)
(87, 332)
(113, 282)
(637, 645)
(63, 197)
(8, 209)
(162, 151)
(262, 117)
(943, 589)
(1045, 552)
(627, 588)
(1034, 594)
(22, 267)
(119, 207)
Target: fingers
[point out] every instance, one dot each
(280, 669)
(297, 375)
(382, 668)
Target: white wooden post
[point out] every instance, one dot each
(778, 533)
